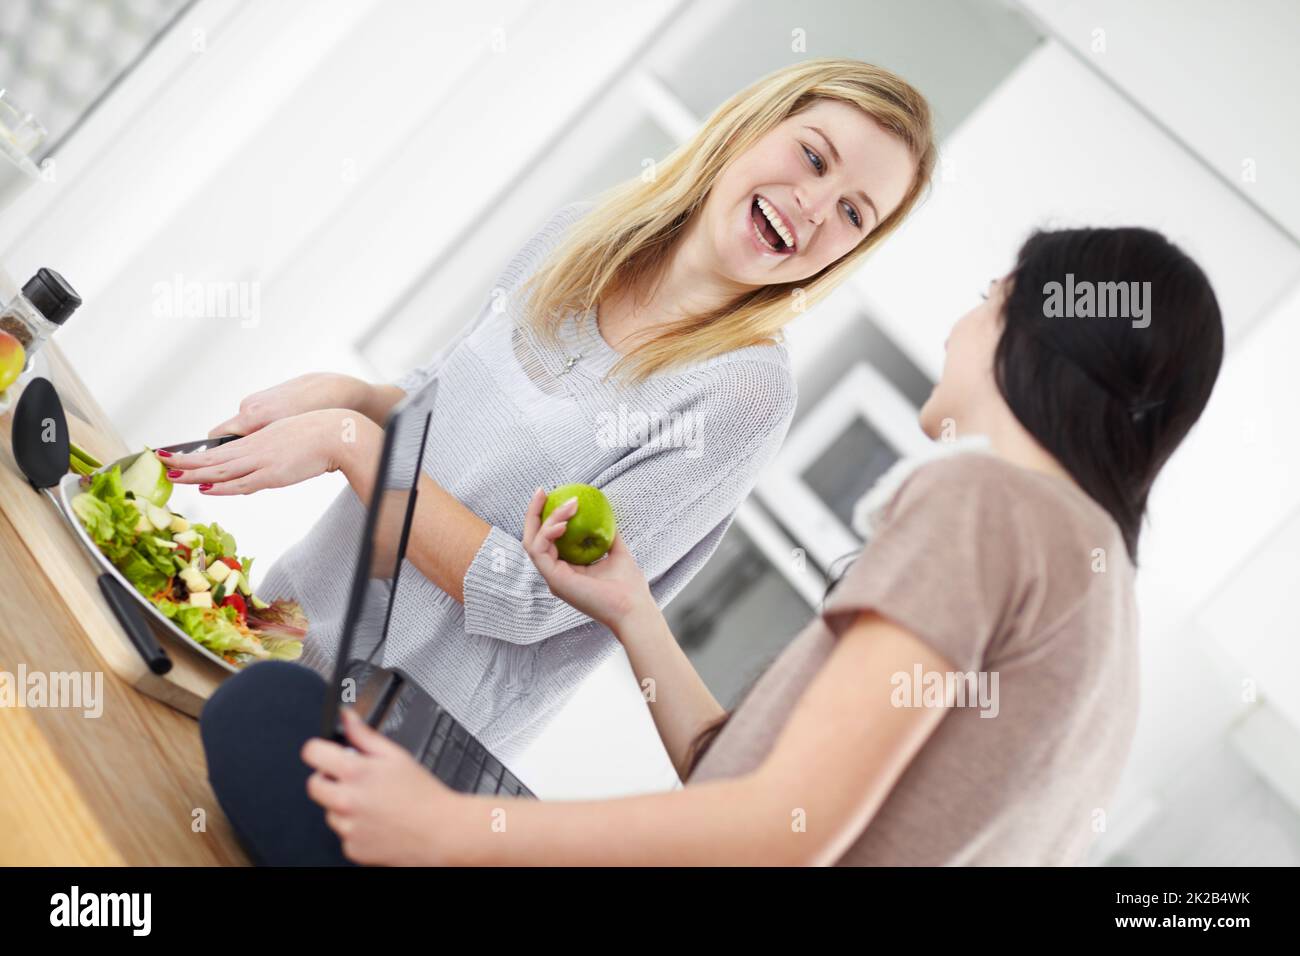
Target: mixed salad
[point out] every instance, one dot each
(190, 572)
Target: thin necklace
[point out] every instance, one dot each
(571, 360)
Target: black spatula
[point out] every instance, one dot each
(40, 440)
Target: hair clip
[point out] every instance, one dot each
(1138, 409)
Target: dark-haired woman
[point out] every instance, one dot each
(967, 695)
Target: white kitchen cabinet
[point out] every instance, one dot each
(1056, 146)
(1220, 78)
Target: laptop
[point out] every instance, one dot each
(387, 698)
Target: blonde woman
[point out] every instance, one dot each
(663, 300)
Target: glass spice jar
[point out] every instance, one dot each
(37, 312)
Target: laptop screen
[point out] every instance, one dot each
(383, 546)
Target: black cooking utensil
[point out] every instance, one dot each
(40, 441)
(40, 435)
(133, 622)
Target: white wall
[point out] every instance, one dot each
(1221, 77)
(1055, 147)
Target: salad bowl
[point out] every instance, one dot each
(69, 488)
(188, 577)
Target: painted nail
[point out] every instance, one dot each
(174, 473)
(205, 486)
(163, 454)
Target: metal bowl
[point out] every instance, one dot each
(69, 488)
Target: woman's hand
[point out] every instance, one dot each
(282, 453)
(611, 591)
(384, 806)
(306, 393)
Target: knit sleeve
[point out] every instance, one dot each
(670, 495)
(522, 265)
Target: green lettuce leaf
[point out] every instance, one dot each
(95, 514)
(109, 517)
(212, 627)
(217, 541)
(282, 648)
(142, 574)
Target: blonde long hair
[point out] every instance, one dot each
(628, 237)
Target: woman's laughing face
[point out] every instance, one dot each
(805, 194)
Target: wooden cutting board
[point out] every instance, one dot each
(52, 543)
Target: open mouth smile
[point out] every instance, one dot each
(771, 228)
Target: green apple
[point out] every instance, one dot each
(12, 360)
(147, 478)
(591, 529)
(158, 516)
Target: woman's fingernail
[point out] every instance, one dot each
(163, 453)
(174, 473)
(206, 486)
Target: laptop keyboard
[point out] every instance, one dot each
(439, 741)
(456, 758)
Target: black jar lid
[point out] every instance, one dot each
(51, 294)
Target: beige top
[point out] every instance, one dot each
(1005, 571)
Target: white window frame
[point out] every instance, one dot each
(863, 393)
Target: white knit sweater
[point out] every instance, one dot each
(675, 455)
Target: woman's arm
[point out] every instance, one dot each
(377, 400)
(446, 535)
(680, 703)
(833, 765)
(312, 392)
(614, 592)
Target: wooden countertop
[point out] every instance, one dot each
(128, 787)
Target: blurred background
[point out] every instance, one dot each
(244, 191)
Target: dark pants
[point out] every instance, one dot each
(253, 729)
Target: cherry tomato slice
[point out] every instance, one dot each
(237, 602)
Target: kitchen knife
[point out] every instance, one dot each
(186, 447)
